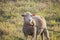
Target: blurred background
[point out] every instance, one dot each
(11, 20)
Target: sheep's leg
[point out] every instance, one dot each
(35, 34)
(46, 33)
(42, 36)
(41, 33)
(33, 38)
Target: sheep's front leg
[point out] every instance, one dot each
(33, 38)
(35, 34)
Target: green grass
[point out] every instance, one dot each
(11, 20)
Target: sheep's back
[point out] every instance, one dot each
(40, 21)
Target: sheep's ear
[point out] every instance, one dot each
(22, 15)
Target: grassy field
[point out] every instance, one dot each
(11, 20)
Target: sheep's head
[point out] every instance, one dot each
(28, 18)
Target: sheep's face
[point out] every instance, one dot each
(28, 18)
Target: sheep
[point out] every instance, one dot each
(34, 25)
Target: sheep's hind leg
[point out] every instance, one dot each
(42, 36)
(46, 33)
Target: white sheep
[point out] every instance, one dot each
(34, 25)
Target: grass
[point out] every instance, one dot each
(11, 20)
